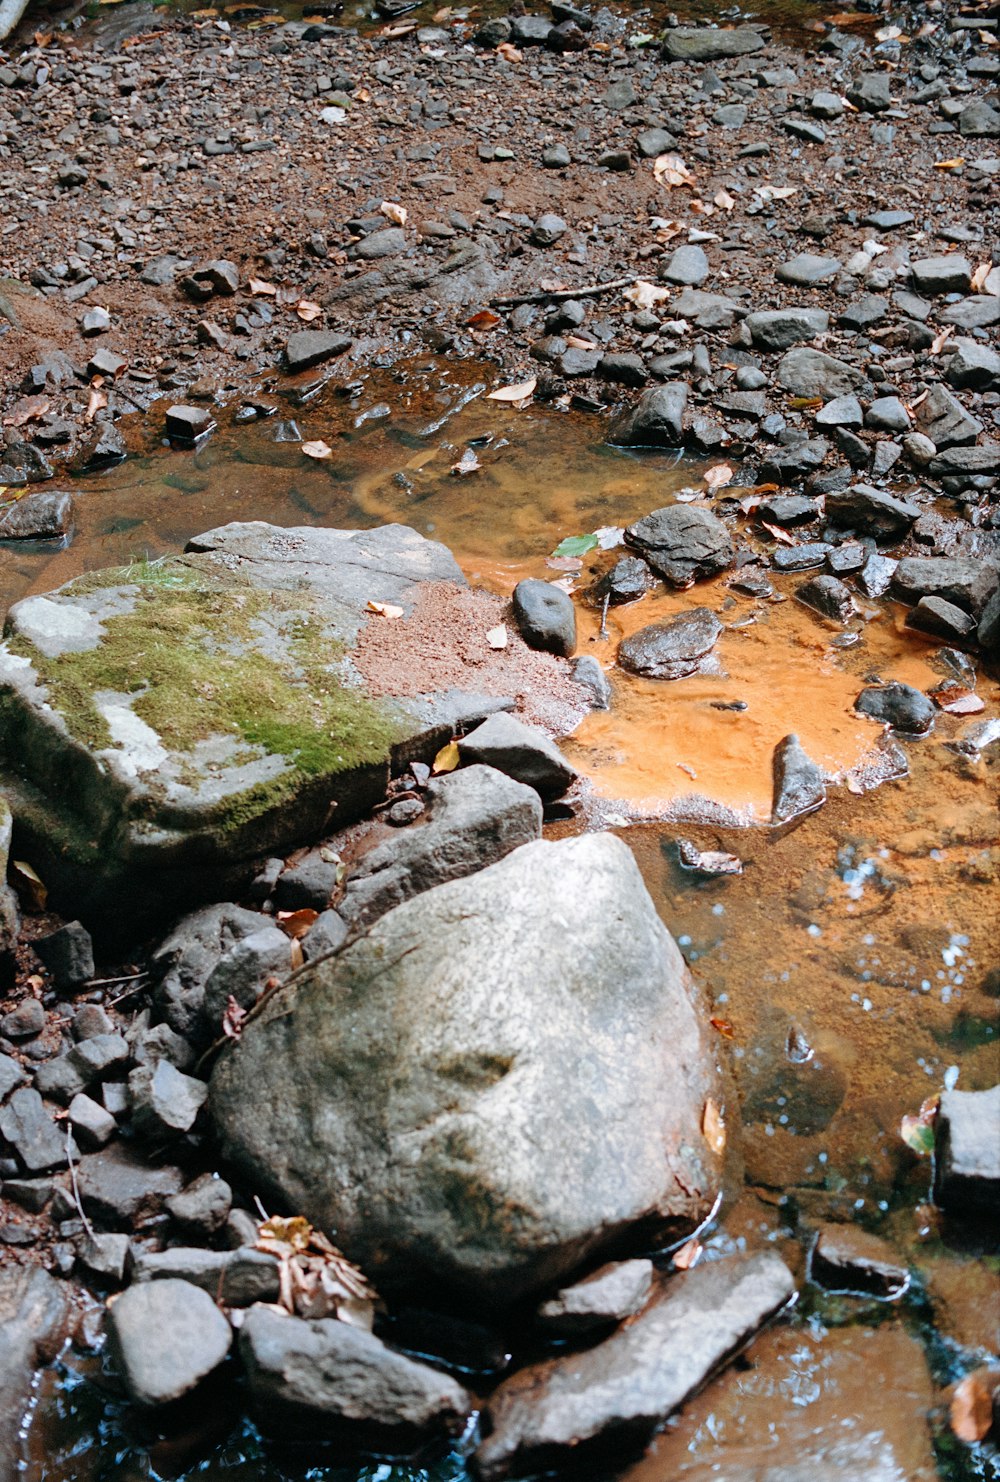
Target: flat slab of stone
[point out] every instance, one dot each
(702, 44)
(609, 1400)
(967, 1133)
(165, 726)
(328, 1378)
(682, 543)
(474, 1097)
(672, 649)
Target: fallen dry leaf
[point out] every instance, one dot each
(779, 534)
(394, 212)
(713, 1126)
(96, 402)
(384, 609)
(296, 956)
(232, 1019)
(258, 287)
(687, 1256)
(497, 637)
(724, 200)
(32, 891)
(509, 53)
(317, 449)
(646, 295)
(940, 340)
(468, 463)
(517, 393)
(958, 701)
(718, 475)
(28, 410)
(485, 319)
(307, 310)
(775, 192)
(447, 759)
(955, 164)
(723, 1027)
(671, 171)
(971, 1408)
(297, 923)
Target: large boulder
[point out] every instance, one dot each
(505, 1078)
(165, 726)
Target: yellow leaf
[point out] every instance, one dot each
(447, 758)
(317, 449)
(29, 887)
(520, 392)
(290, 1230)
(955, 164)
(670, 170)
(497, 637)
(713, 1127)
(393, 212)
(385, 609)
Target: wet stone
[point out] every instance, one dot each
(899, 705)
(598, 1303)
(164, 1101)
(330, 1378)
(829, 596)
(573, 1408)
(788, 509)
(682, 543)
(973, 367)
(203, 1206)
(799, 784)
(627, 581)
(967, 1135)
(38, 517)
(545, 616)
(966, 582)
(104, 1257)
(871, 511)
(942, 417)
(806, 372)
(24, 1021)
(92, 1125)
(188, 424)
(310, 347)
(848, 1259)
(656, 421)
(941, 619)
(672, 649)
(803, 557)
(887, 414)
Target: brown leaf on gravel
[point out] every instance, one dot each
(258, 286)
(307, 310)
(940, 340)
(724, 200)
(979, 277)
(27, 411)
(509, 53)
(718, 475)
(671, 171)
(384, 609)
(958, 701)
(779, 534)
(953, 164)
(394, 212)
(96, 402)
(484, 319)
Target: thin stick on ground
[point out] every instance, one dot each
(76, 1187)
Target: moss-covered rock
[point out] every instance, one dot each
(163, 726)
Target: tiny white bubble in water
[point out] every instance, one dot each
(951, 1078)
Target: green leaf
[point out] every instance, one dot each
(575, 545)
(918, 1136)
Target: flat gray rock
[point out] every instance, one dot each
(779, 329)
(520, 751)
(967, 1134)
(799, 783)
(612, 1398)
(871, 511)
(807, 269)
(807, 372)
(682, 543)
(504, 1078)
(328, 1378)
(475, 816)
(600, 1302)
(671, 649)
(704, 44)
(963, 580)
(165, 1338)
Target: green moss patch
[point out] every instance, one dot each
(188, 653)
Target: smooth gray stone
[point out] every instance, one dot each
(520, 751)
(799, 784)
(682, 543)
(779, 329)
(967, 1135)
(671, 649)
(165, 1338)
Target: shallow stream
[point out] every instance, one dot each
(852, 964)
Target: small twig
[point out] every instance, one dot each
(590, 291)
(76, 1187)
(110, 982)
(603, 630)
